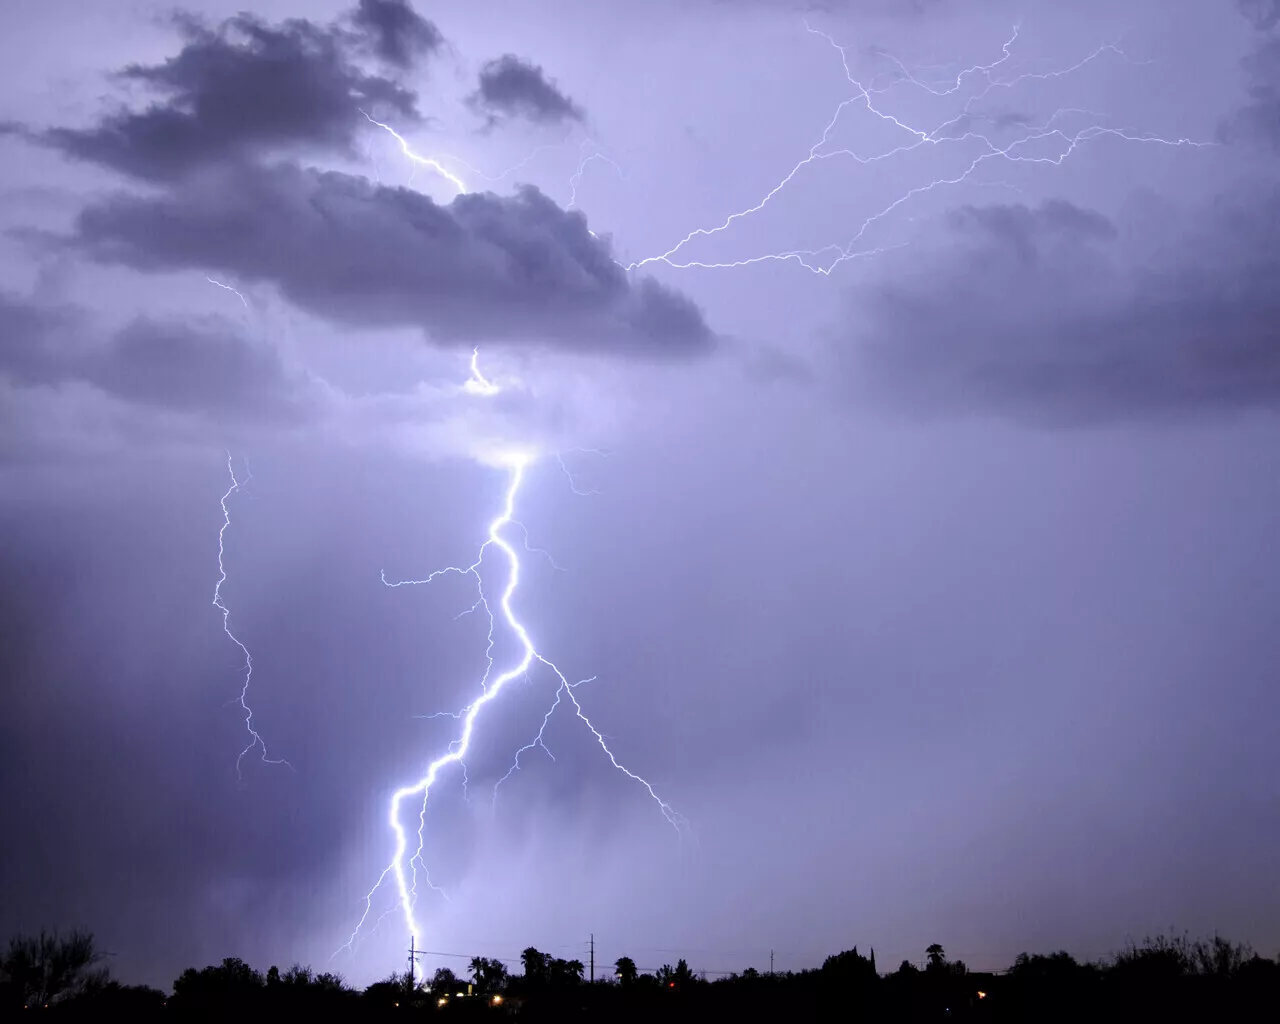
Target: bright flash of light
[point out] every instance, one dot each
(434, 164)
(256, 741)
(422, 161)
(477, 383)
(404, 865)
(824, 260)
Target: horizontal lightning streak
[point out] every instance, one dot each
(824, 260)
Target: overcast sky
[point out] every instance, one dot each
(917, 524)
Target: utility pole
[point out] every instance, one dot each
(413, 959)
(770, 961)
(593, 957)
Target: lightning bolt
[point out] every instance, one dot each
(825, 259)
(255, 739)
(403, 867)
(477, 383)
(575, 179)
(228, 288)
(433, 163)
(428, 162)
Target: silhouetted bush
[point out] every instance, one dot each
(1160, 978)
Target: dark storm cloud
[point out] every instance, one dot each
(1258, 121)
(1262, 14)
(238, 90)
(399, 34)
(27, 332)
(204, 366)
(512, 87)
(484, 267)
(1032, 313)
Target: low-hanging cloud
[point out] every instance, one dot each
(1258, 121)
(240, 90)
(206, 366)
(1036, 314)
(511, 87)
(516, 269)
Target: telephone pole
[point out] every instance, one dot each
(413, 959)
(593, 957)
(770, 961)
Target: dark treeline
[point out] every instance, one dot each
(1158, 978)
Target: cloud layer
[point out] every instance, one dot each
(517, 269)
(511, 87)
(1035, 313)
(241, 90)
(205, 366)
(399, 35)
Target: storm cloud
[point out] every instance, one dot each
(399, 34)
(205, 366)
(1036, 313)
(1258, 121)
(511, 87)
(240, 90)
(516, 269)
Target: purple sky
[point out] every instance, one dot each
(936, 591)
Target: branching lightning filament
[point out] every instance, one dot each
(952, 131)
(404, 865)
(255, 738)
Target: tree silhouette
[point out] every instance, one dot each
(564, 973)
(230, 987)
(390, 990)
(45, 968)
(535, 965)
(444, 980)
(489, 975)
(625, 968)
(1174, 979)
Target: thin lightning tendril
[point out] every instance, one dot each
(824, 260)
(255, 739)
(228, 288)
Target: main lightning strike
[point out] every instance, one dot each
(255, 738)
(403, 868)
(825, 259)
